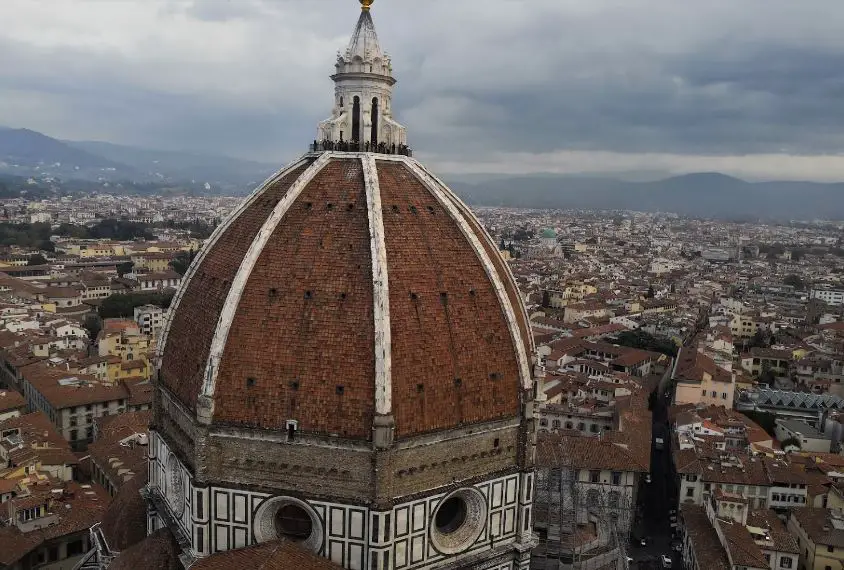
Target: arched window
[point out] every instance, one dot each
(356, 119)
(374, 135)
(341, 100)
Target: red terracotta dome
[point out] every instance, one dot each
(350, 285)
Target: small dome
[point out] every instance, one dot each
(349, 286)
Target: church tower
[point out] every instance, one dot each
(363, 92)
(348, 364)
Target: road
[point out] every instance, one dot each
(657, 498)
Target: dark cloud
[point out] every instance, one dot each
(476, 77)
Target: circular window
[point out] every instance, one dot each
(293, 522)
(175, 486)
(451, 515)
(458, 521)
(289, 518)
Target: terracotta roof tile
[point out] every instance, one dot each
(274, 555)
(159, 550)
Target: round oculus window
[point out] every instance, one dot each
(294, 523)
(458, 521)
(175, 486)
(291, 519)
(450, 515)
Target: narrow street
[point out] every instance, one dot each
(658, 498)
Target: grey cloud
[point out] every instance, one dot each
(476, 77)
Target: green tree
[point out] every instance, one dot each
(123, 306)
(93, 324)
(765, 420)
(794, 281)
(642, 340)
(182, 261)
(36, 259)
(124, 268)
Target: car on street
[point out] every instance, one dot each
(666, 561)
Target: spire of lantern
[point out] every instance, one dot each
(363, 92)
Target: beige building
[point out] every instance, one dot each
(820, 533)
(700, 381)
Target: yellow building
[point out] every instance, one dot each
(121, 369)
(154, 262)
(122, 338)
(820, 533)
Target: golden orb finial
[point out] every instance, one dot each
(365, 4)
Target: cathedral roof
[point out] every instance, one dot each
(273, 555)
(349, 285)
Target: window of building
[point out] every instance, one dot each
(74, 548)
(830, 549)
(595, 476)
(714, 394)
(723, 395)
(785, 562)
(555, 424)
(703, 393)
(690, 492)
(616, 478)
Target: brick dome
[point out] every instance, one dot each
(349, 286)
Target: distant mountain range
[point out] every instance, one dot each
(709, 195)
(28, 153)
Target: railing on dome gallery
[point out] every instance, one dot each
(350, 146)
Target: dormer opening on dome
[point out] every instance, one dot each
(364, 76)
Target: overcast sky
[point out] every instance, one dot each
(749, 87)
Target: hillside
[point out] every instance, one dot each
(700, 194)
(24, 152)
(23, 148)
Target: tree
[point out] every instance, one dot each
(642, 340)
(37, 259)
(93, 324)
(502, 246)
(767, 377)
(123, 306)
(794, 281)
(182, 261)
(650, 294)
(124, 268)
(765, 420)
(792, 442)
